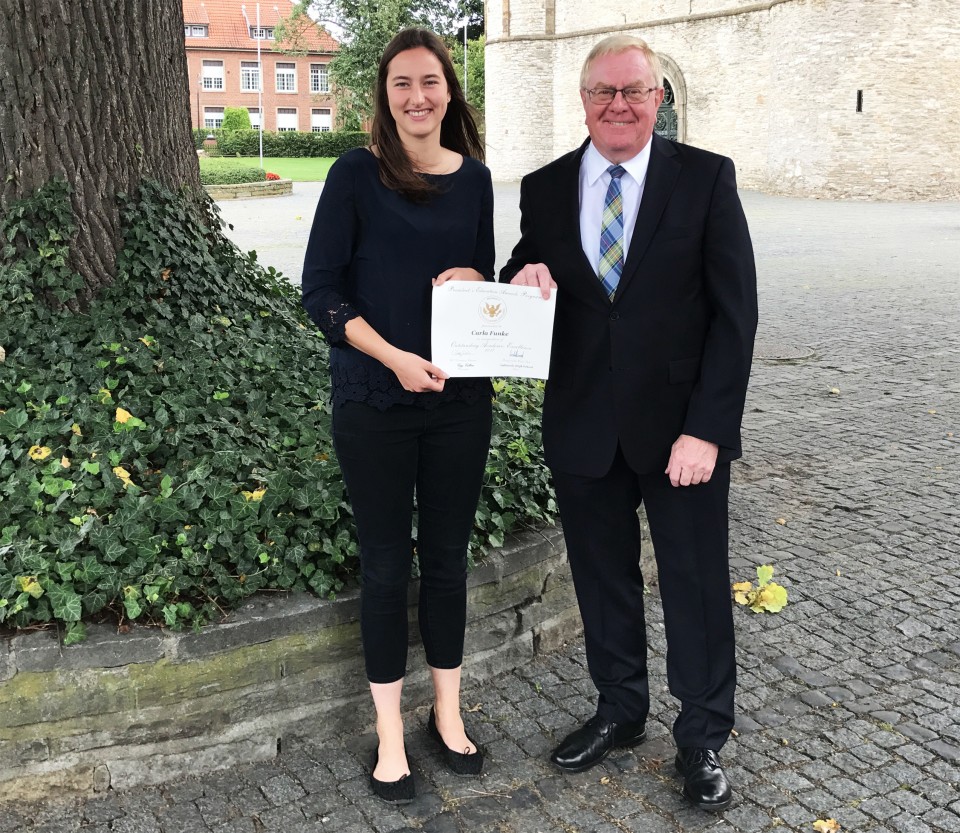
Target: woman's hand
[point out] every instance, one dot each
(416, 374)
(457, 273)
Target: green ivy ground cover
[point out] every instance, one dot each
(166, 452)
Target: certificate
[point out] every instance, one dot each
(492, 329)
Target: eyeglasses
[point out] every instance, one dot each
(632, 95)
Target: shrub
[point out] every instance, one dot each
(271, 177)
(231, 176)
(167, 453)
(200, 135)
(236, 118)
(289, 144)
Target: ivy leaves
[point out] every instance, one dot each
(168, 452)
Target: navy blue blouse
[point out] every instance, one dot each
(373, 253)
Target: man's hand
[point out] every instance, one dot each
(691, 461)
(535, 274)
(457, 273)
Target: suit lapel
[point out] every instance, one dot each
(570, 197)
(662, 174)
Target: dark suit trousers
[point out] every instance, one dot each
(688, 526)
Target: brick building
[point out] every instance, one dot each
(221, 39)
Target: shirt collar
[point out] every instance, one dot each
(594, 165)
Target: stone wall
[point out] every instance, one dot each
(772, 84)
(150, 705)
(246, 190)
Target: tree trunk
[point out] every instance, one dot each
(94, 92)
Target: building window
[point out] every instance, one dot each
(213, 75)
(192, 30)
(321, 120)
(213, 117)
(286, 119)
(254, 117)
(286, 78)
(319, 83)
(249, 76)
(263, 33)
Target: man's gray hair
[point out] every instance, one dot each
(616, 44)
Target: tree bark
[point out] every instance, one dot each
(94, 92)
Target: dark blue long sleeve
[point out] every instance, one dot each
(373, 253)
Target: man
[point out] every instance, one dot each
(656, 313)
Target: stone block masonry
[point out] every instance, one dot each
(811, 98)
(120, 710)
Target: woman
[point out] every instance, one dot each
(410, 212)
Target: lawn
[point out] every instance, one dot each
(306, 169)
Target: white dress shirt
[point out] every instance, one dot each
(594, 181)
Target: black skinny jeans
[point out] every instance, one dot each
(385, 457)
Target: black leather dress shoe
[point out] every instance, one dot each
(704, 783)
(592, 742)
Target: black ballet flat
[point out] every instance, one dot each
(466, 765)
(393, 792)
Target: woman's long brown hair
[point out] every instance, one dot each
(458, 130)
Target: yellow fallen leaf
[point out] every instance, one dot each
(65, 461)
(124, 476)
(741, 592)
(123, 415)
(834, 391)
(255, 495)
(932, 411)
(605, 779)
(104, 396)
(771, 598)
(39, 452)
(782, 521)
(165, 274)
(76, 430)
(474, 708)
(826, 826)
(838, 572)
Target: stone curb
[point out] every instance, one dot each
(119, 710)
(247, 190)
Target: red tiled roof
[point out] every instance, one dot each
(227, 27)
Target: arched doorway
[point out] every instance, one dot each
(667, 124)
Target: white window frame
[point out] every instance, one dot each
(287, 71)
(195, 30)
(213, 123)
(287, 111)
(254, 112)
(319, 78)
(212, 74)
(321, 119)
(249, 70)
(263, 33)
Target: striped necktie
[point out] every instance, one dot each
(611, 233)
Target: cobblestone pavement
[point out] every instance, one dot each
(849, 698)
